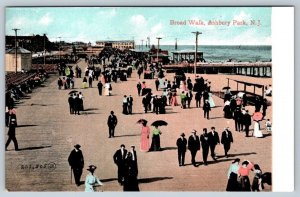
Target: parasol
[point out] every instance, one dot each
(159, 123)
(141, 121)
(257, 116)
(73, 91)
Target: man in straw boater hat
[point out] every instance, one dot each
(181, 144)
(76, 162)
(194, 146)
(91, 180)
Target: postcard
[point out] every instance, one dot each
(140, 99)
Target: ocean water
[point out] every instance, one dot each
(222, 53)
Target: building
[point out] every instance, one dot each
(189, 55)
(24, 59)
(121, 44)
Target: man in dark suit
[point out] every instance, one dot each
(226, 140)
(76, 162)
(129, 104)
(198, 96)
(205, 96)
(139, 88)
(247, 122)
(12, 122)
(206, 109)
(181, 146)
(100, 87)
(155, 105)
(237, 116)
(194, 146)
(77, 104)
(134, 160)
(119, 159)
(112, 123)
(214, 139)
(204, 139)
(71, 102)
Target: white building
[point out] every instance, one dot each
(24, 59)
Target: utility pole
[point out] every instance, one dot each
(196, 48)
(142, 44)
(16, 48)
(59, 48)
(148, 42)
(44, 50)
(158, 38)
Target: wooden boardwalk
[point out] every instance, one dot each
(47, 134)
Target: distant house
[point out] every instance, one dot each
(24, 59)
(121, 44)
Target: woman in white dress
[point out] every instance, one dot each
(91, 181)
(107, 89)
(210, 100)
(257, 133)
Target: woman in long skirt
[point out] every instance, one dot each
(107, 90)
(244, 171)
(232, 175)
(257, 133)
(145, 137)
(174, 100)
(155, 145)
(257, 180)
(91, 181)
(210, 100)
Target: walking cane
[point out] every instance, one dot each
(71, 175)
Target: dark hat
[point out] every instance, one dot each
(213, 128)
(92, 168)
(182, 134)
(236, 160)
(132, 146)
(77, 146)
(245, 163)
(122, 145)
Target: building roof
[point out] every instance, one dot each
(187, 51)
(159, 55)
(139, 51)
(20, 50)
(113, 41)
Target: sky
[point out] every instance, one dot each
(90, 24)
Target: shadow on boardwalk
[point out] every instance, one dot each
(27, 125)
(129, 135)
(34, 148)
(153, 179)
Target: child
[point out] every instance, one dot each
(269, 125)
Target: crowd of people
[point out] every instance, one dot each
(186, 90)
(120, 68)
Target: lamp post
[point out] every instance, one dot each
(16, 48)
(196, 48)
(44, 50)
(158, 38)
(59, 48)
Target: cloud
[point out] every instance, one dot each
(138, 20)
(46, 20)
(18, 22)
